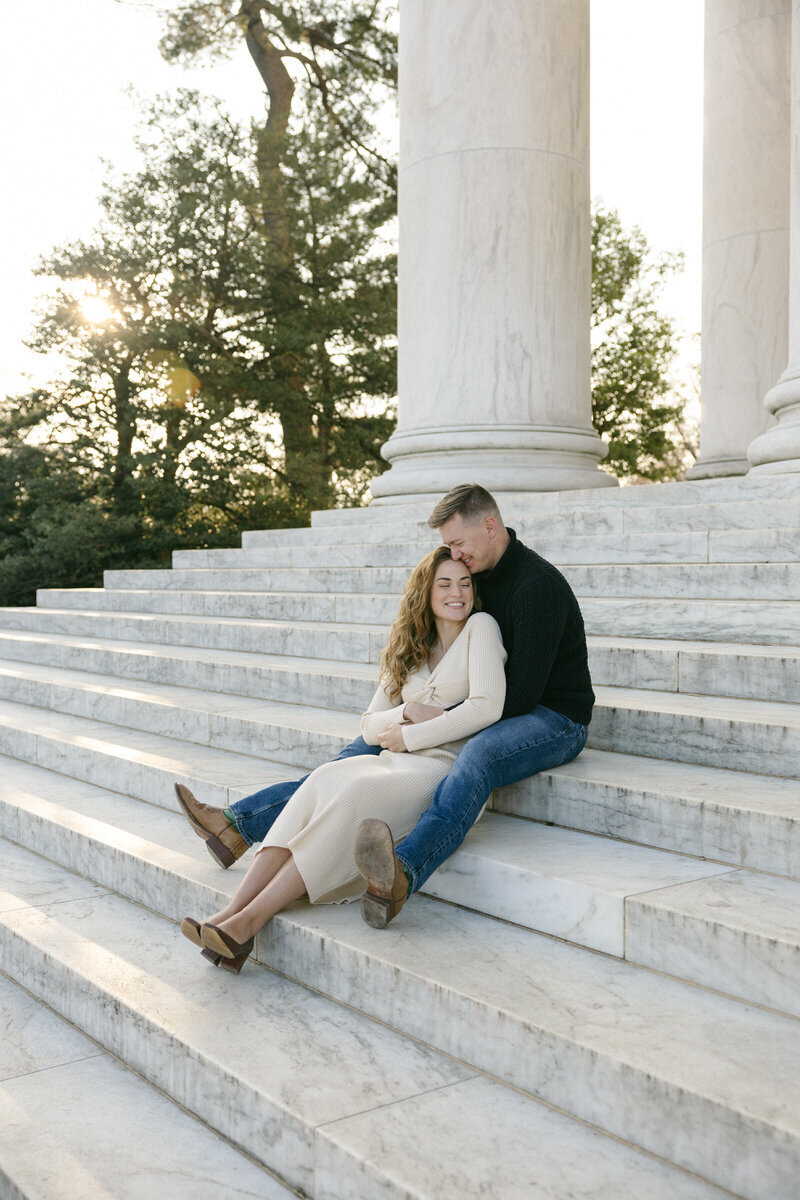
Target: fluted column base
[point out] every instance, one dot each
(777, 452)
(718, 468)
(503, 458)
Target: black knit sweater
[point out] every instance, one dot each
(543, 634)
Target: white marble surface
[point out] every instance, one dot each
(712, 581)
(738, 932)
(57, 1142)
(762, 545)
(702, 491)
(130, 980)
(265, 579)
(741, 735)
(730, 816)
(137, 763)
(479, 1139)
(94, 1131)
(752, 512)
(342, 642)
(33, 1039)
(745, 223)
(495, 270)
(691, 1076)
(763, 622)
(778, 450)
(557, 881)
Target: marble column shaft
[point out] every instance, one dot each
(778, 450)
(495, 249)
(745, 224)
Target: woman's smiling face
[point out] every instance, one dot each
(452, 598)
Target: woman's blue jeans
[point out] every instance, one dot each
(504, 753)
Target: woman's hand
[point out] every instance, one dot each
(415, 713)
(392, 739)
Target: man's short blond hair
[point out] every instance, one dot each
(468, 500)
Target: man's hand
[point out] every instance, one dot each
(416, 713)
(392, 739)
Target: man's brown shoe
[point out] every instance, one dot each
(387, 884)
(223, 841)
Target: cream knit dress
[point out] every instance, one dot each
(320, 821)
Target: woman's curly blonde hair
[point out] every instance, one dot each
(413, 634)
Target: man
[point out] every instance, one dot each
(545, 720)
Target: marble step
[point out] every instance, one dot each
(344, 608)
(712, 669)
(343, 643)
(714, 581)
(560, 882)
(761, 622)
(286, 733)
(140, 764)
(129, 981)
(764, 622)
(532, 522)
(736, 818)
(737, 931)
(730, 816)
(688, 1074)
(681, 514)
(750, 545)
(57, 1089)
(747, 735)
(699, 492)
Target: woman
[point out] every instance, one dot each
(442, 680)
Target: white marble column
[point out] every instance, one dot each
(745, 225)
(495, 250)
(778, 450)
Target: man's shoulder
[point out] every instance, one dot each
(534, 571)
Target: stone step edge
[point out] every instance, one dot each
(59, 817)
(16, 947)
(187, 630)
(38, 1162)
(155, 875)
(74, 996)
(564, 796)
(767, 713)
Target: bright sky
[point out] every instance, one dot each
(66, 65)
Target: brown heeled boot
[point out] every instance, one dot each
(387, 884)
(223, 841)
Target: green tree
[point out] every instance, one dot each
(634, 402)
(335, 59)
(162, 430)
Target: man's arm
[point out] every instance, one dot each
(539, 615)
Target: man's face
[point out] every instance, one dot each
(473, 542)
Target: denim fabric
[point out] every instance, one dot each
(254, 816)
(504, 753)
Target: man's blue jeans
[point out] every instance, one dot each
(504, 753)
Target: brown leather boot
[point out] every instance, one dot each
(223, 841)
(387, 884)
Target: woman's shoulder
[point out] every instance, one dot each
(483, 624)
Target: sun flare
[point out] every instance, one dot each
(97, 310)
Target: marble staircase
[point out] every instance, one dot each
(598, 996)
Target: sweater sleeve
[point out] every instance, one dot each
(487, 690)
(538, 618)
(379, 716)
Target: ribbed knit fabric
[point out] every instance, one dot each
(542, 629)
(320, 821)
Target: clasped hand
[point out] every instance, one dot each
(415, 714)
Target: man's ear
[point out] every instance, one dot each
(490, 525)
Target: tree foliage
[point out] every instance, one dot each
(635, 405)
(172, 422)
